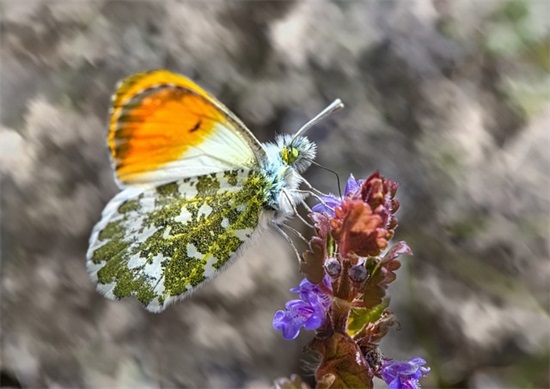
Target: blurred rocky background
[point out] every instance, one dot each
(448, 97)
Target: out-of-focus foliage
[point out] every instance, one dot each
(449, 98)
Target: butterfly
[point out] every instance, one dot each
(195, 186)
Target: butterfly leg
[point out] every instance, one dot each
(316, 197)
(296, 210)
(296, 232)
(312, 188)
(307, 207)
(288, 239)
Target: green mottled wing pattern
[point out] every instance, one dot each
(158, 244)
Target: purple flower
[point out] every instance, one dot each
(298, 313)
(312, 293)
(330, 202)
(404, 374)
(352, 185)
(308, 312)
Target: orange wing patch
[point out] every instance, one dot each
(165, 127)
(137, 83)
(158, 126)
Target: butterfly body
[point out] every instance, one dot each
(196, 186)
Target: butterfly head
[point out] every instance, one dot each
(297, 152)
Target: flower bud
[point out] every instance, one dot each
(358, 273)
(374, 358)
(333, 267)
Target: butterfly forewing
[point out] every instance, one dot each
(164, 127)
(158, 244)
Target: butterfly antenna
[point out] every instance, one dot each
(335, 106)
(333, 172)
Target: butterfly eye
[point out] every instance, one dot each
(289, 154)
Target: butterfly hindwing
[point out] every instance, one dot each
(158, 244)
(164, 127)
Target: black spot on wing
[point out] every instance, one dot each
(196, 127)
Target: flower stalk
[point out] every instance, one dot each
(347, 270)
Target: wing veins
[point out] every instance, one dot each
(207, 222)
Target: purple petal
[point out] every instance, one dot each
(282, 322)
(404, 374)
(308, 312)
(328, 205)
(330, 202)
(305, 289)
(305, 285)
(285, 321)
(396, 251)
(298, 313)
(395, 384)
(352, 185)
(296, 305)
(314, 321)
(312, 294)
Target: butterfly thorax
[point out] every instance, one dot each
(286, 159)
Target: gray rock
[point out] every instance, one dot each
(448, 98)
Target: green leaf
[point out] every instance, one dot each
(360, 317)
